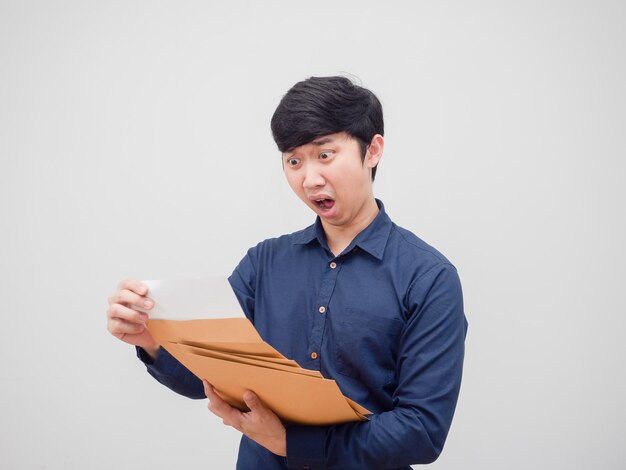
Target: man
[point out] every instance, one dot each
(354, 296)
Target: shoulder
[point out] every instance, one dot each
(282, 244)
(269, 252)
(294, 238)
(422, 267)
(404, 243)
(429, 273)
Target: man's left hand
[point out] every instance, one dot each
(260, 423)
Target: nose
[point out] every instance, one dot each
(313, 178)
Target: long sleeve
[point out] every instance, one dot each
(429, 370)
(168, 371)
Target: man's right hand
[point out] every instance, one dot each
(127, 324)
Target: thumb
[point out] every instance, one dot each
(252, 400)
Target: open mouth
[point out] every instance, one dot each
(324, 204)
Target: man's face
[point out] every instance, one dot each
(329, 175)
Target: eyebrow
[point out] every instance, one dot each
(316, 142)
(322, 141)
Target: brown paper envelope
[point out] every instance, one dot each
(358, 408)
(228, 334)
(197, 331)
(361, 411)
(273, 360)
(245, 360)
(260, 350)
(238, 330)
(293, 397)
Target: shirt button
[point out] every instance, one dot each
(333, 265)
(322, 309)
(313, 355)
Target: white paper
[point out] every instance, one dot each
(192, 299)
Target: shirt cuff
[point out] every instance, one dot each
(144, 356)
(159, 363)
(306, 446)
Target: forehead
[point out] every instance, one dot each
(328, 139)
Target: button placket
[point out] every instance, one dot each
(327, 286)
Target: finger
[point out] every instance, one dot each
(231, 416)
(127, 314)
(212, 395)
(120, 327)
(133, 285)
(128, 298)
(208, 389)
(253, 401)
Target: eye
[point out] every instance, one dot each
(325, 155)
(293, 161)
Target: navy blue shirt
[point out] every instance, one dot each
(384, 319)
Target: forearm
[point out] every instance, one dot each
(393, 439)
(171, 373)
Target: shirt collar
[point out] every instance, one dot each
(372, 239)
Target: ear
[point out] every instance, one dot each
(374, 151)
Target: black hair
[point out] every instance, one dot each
(326, 105)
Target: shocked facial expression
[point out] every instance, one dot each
(331, 178)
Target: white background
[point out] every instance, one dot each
(135, 142)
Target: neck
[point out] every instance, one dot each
(339, 237)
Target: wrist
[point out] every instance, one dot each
(280, 446)
(152, 351)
